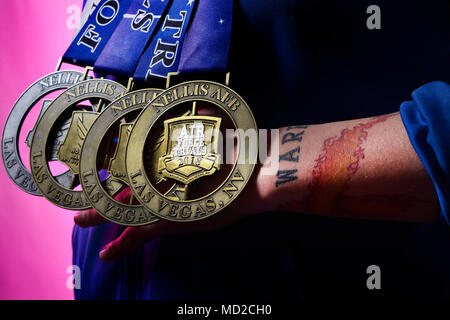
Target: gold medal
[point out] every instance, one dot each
(93, 152)
(190, 151)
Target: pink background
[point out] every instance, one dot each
(35, 236)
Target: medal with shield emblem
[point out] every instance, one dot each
(196, 116)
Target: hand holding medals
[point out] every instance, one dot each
(159, 143)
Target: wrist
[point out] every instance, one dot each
(285, 175)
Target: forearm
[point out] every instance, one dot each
(362, 168)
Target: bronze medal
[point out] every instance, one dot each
(98, 192)
(190, 154)
(101, 92)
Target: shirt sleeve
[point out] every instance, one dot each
(427, 122)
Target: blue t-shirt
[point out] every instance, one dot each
(317, 62)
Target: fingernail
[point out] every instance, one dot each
(104, 254)
(78, 219)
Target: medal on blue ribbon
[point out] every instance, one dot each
(191, 118)
(93, 95)
(120, 56)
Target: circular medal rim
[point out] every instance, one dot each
(110, 124)
(78, 99)
(159, 114)
(18, 106)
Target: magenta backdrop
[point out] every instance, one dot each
(35, 236)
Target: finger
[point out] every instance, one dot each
(88, 218)
(131, 239)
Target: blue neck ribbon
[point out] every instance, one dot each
(150, 38)
(123, 50)
(96, 32)
(162, 55)
(207, 42)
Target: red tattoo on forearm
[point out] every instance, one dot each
(339, 160)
